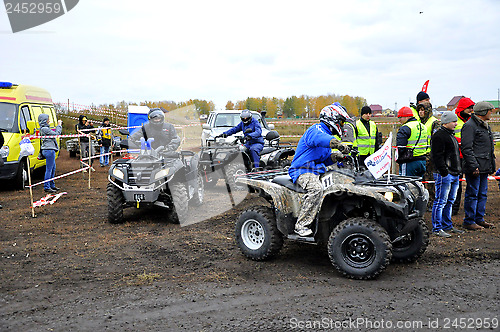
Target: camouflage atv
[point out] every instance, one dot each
(365, 223)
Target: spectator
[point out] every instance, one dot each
(81, 128)
(314, 153)
(463, 112)
(479, 162)
(104, 139)
(366, 135)
(422, 99)
(424, 109)
(1, 159)
(49, 148)
(253, 135)
(445, 156)
(411, 140)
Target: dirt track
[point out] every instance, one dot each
(69, 269)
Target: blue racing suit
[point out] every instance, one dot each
(255, 142)
(313, 152)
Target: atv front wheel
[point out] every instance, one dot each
(359, 248)
(115, 204)
(412, 246)
(233, 170)
(257, 235)
(180, 198)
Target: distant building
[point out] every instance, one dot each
(453, 103)
(376, 109)
(495, 104)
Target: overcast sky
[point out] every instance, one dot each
(108, 51)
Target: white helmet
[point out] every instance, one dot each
(334, 117)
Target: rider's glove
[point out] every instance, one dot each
(221, 136)
(344, 148)
(246, 138)
(248, 130)
(336, 156)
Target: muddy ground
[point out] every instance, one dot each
(68, 269)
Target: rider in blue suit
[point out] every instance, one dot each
(253, 135)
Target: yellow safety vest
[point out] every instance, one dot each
(428, 126)
(458, 129)
(418, 138)
(365, 141)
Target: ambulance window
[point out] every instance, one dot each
(24, 116)
(8, 120)
(48, 111)
(37, 110)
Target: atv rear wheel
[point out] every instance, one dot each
(413, 246)
(359, 248)
(233, 170)
(179, 194)
(257, 235)
(115, 204)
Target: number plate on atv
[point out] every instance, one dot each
(327, 180)
(139, 197)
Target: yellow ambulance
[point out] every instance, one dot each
(20, 106)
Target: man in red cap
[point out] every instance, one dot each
(463, 112)
(411, 140)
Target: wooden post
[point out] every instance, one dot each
(31, 189)
(90, 157)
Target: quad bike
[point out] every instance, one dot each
(230, 156)
(364, 222)
(167, 179)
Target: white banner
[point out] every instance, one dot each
(380, 161)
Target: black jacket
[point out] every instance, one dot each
(477, 146)
(445, 153)
(80, 126)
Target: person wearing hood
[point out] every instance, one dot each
(463, 111)
(104, 139)
(49, 148)
(82, 128)
(1, 144)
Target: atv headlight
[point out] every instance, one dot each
(162, 174)
(391, 196)
(118, 173)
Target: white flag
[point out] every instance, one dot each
(380, 161)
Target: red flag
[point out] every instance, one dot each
(424, 87)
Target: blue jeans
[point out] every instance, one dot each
(446, 193)
(254, 150)
(413, 168)
(50, 168)
(104, 160)
(476, 194)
